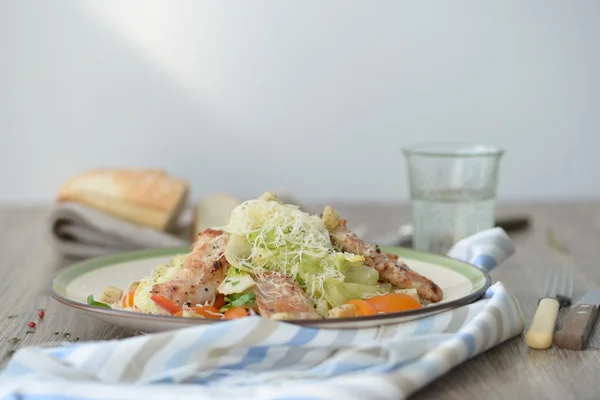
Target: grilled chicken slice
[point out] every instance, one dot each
(202, 272)
(389, 266)
(279, 297)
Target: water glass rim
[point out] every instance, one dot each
(453, 149)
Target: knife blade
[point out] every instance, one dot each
(578, 322)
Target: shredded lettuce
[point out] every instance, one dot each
(238, 300)
(338, 293)
(362, 274)
(271, 236)
(385, 287)
(267, 235)
(354, 269)
(236, 281)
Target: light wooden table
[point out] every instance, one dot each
(510, 370)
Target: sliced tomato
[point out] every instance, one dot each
(393, 302)
(209, 312)
(236, 312)
(219, 301)
(165, 304)
(362, 307)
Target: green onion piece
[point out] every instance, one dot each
(92, 302)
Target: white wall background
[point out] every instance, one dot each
(312, 97)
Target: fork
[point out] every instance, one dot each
(558, 292)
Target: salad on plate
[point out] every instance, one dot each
(279, 262)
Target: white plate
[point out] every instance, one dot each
(462, 283)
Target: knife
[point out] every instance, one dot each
(578, 322)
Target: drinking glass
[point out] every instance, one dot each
(452, 190)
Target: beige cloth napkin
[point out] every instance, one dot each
(80, 232)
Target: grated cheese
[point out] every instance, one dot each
(281, 237)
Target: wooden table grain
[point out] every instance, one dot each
(510, 370)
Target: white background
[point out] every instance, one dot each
(311, 97)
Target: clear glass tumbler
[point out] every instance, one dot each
(453, 192)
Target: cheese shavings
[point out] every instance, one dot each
(270, 235)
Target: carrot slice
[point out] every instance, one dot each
(178, 314)
(362, 307)
(209, 312)
(393, 302)
(128, 299)
(236, 312)
(219, 301)
(165, 304)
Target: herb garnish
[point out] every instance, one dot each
(92, 302)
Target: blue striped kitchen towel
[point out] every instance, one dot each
(255, 358)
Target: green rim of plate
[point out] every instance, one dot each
(479, 279)
(476, 275)
(68, 274)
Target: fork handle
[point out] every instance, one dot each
(541, 331)
(576, 327)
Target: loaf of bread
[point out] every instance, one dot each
(142, 196)
(213, 212)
